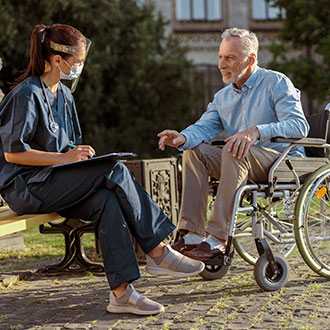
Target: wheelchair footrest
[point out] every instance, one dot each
(221, 260)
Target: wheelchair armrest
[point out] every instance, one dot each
(302, 142)
(218, 143)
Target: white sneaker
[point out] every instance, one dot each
(175, 264)
(133, 302)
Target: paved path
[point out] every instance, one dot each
(234, 302)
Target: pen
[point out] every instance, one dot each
(73, 146)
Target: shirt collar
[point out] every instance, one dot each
(250, 82)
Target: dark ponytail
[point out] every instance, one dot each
(40, 50)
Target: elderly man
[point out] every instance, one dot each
(257, 104)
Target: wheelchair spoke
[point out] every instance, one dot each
(277, 220)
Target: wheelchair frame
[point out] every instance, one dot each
(271, 270)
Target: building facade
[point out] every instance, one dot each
(199, 23)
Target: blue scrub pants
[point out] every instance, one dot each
(107, 194)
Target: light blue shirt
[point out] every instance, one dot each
(267, 100)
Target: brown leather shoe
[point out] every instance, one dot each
(203, 252)
(181, 247)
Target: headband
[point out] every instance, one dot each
(43, 33)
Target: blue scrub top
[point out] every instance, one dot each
(24, 125)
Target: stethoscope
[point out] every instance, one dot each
(53, 125)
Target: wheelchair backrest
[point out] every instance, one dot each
(319, 128)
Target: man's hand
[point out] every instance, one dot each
(170, 138)
(240, 143)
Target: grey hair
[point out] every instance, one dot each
(249, 40)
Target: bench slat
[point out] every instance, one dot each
(11, 222)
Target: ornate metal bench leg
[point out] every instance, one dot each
(75, 260)
(80, 256)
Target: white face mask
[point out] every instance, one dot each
(75, 71)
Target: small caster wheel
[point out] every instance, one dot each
(214, 272)
(266, 278)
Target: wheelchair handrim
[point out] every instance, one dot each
(300, 228)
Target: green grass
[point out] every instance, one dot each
(40, 248)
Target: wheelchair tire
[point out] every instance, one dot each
(264, 276)
(212, 272)
(312, 224)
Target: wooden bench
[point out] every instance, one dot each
(11, 222)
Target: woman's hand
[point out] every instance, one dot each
(33, 157)
(80, 152)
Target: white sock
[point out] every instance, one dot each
(192, 238)
(214, 243)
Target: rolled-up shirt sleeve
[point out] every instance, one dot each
(18, 123)
(203, 130)
(292, 122)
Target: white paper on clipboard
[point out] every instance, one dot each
(112, 155)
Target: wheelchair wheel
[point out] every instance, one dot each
(212, 272)
(281, 242)
(266, 278)
(312, 225)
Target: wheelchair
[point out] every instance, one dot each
(291, 209)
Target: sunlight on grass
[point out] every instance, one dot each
(40, 248)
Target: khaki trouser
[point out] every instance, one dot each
(203, 161)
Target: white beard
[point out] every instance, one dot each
(235, 77)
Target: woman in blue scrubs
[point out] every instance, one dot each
(38, 125)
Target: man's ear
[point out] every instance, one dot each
(252, 59)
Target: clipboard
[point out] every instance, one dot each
(110, 156)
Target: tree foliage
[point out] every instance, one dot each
(135, 81)
(306, 32)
